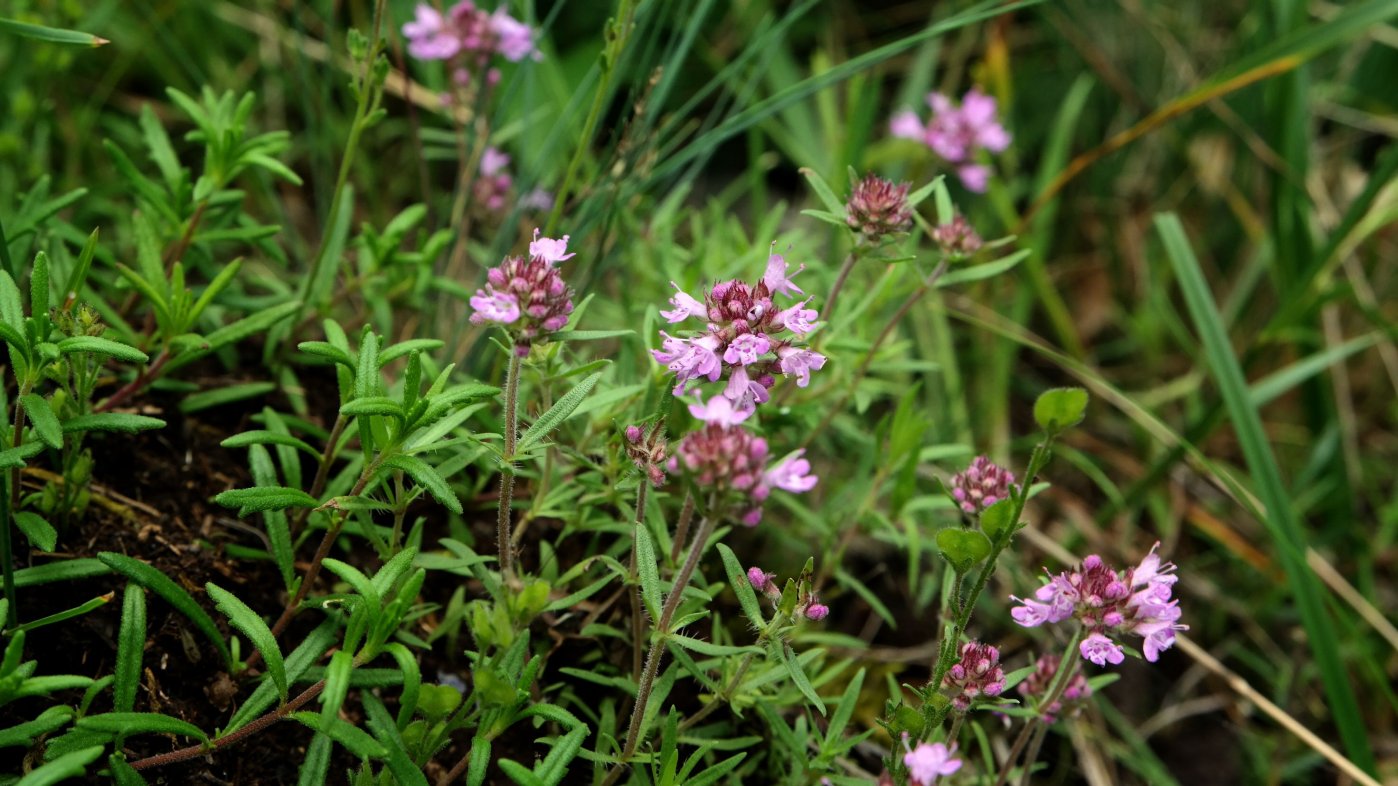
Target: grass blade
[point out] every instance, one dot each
(1280, 518)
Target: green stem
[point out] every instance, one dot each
(7, 557)
(507, 469)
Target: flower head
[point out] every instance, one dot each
(747, 336)
(957, 239)
(529, 295)
(956, 133)
(981, 485)
(1108, 602)
(727, 459)
(468, 36)
(977, 674)
(548, 249)
(1036, 686)
(648, 451)
(878, 208)
(929, 761)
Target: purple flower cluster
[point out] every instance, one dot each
(494, 186)
(957, 238)
(1106, 601)
(981, 485)
(878, 208)
(807, 604)
(748, 337)
(956, 133)
(928, 761)
(527, 294)
(468, 35)
(1036, 686)
(732, 461)
(978, 673)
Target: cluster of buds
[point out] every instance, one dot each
(956, 239)
(981, 485)
(747, 337)
(928, 761)
(977, 674)
(468, 36)
(647, 450)
(877, 208)
(732, 461)
(1036, 686)
(493, 188)
(956, 133)
(527, 295)
(807, 604)
(1108, 603)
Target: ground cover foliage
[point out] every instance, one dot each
(698, 391)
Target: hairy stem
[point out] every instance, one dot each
(195, 751)
(327, 457)
(657, 647)
(840, 283)
(7, 558)
(507, 469)
(147, 375)
(682, 527)
(637, 619)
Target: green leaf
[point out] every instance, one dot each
(709, 648)
(798, 676)
(64, 570)
(317, 762)
(554, 767)
(15, 457)
(361, 583)
(40, 534)
(157, 582)
(337, 683)
(982, 271)
(53, 35)
(556, 414)
(42, 418)
(844, 711)
(823, 191)
(354, 739)
(266, 498)
(390, 353)
(963, 548)
(381, 725)
(263, 437)
(24, 734)
(125, 723)
(995, 520)
(518, 773)
(131, 646)
(102, 346)
(322, 349)
(738, 580)
(251, 625)
(1060, 408)
(69, 765)
(123, 773)
(373, 405)
(649, 569)
(428, 478)
(111, 421)
(225, 395)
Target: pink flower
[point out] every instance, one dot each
(977, 674)
(798, 319)
(981, 485)
(928, 761)
(744, 392)
(720, 411)
(686, 306)
(1109, 602)
(1036, 686)
(1101, 650)
(761, 580)
(514, 40)
(817, 612)
(494, 161)
(745, 349)
(791, 474)
(428, 36)
(548, 249)
(776, 277)
(878, 208)
(690, 358)
(800, 363)
(493, 306)
(956, 133)
(905, 125)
